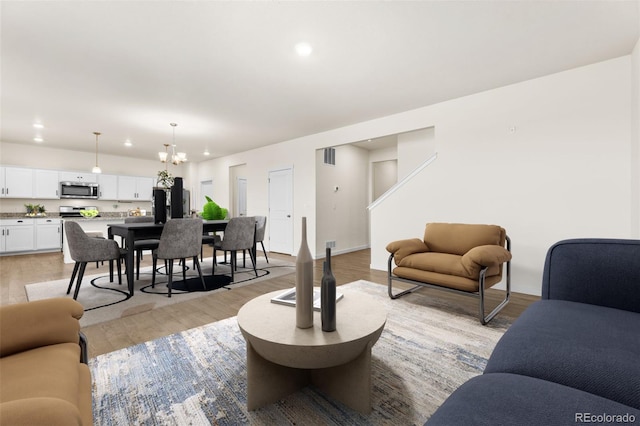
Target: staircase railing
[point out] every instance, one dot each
(402, 182)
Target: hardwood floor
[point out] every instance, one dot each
(17, 271)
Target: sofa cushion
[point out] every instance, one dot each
(41, 411)
(445, 280)
(442, 263)
(403, 248)
(510, 399)
(25, 326)
(607, 271)
(459, 238)
(592, 348)
(49, 372)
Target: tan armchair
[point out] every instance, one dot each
(464, 258)
(44, 378)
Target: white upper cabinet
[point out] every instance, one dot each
(16, 182)
(145, 188)
(46, 184)
(134, 188)
(108, 187)
(78, 177)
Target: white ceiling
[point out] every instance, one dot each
(228, 74)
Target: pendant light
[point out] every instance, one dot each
(164, 155)
(176, 157)
(96, 168)
(180, 157)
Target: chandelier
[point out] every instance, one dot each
(176, 157)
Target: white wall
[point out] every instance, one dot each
(635, 137)
(384, 176)
(341, 215)
(414, 148)
(563, 173)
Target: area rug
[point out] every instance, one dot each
(105, 301)
(198, 377)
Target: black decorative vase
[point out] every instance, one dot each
(328, 296)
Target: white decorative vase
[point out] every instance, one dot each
(304, 282)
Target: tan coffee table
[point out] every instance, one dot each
(282, 358)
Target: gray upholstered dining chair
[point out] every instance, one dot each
(180, 239)
(238, 235)
(261, 226)
(141, 245)
(84, 249)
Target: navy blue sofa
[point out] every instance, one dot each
(574, 356)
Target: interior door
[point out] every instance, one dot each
(241, 200)
(281, 211)
(206, 188)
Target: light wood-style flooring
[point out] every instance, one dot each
(17, 271)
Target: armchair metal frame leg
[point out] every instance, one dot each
(480, 294)
(84, 348)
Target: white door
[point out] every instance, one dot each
(281, 211)
(206, 189)
(241, 193)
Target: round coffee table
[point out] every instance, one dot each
(282, 358)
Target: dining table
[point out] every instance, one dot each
(149, 230)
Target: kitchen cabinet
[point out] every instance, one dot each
(108, 187)
(16, 182)
(78, 177)
(46, 184)
(48, 234)
(17, 235)
(135, 188)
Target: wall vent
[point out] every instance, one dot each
(330, 156)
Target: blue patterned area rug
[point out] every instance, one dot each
(198, 377)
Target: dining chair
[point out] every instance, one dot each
(208, 239)
(180, 239)
(261, 226)
(144, 244)
(238, 235)
(84, 249)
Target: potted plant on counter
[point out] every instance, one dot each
(35, 210)
(165, 179)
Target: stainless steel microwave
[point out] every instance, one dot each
(78, 190)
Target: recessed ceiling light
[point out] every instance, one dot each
(206, 152)
(127, 143)
(303, 49)
(38, 125)
(38, 139)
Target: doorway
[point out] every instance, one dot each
(281, 211)
(206, 189)
(385, 175)
(241, 196)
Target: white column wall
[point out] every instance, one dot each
(341, 215)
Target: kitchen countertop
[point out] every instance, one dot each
(103, 216)
(93, 219)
